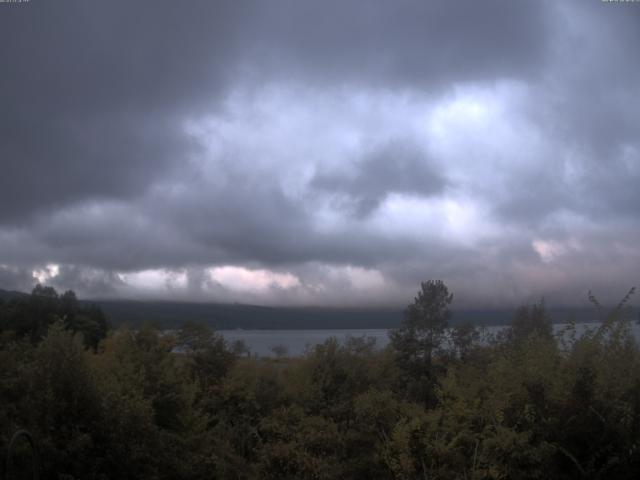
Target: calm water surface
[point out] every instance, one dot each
(261, 342)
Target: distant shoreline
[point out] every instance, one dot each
(249, 317)
(172, 314)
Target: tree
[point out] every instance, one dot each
(421, 334)
(462, 340)
(43, 291)
(280, 350)
(207, 353)
(30, 316)
(65, 404)
(530, 320)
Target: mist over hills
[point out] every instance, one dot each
(171, 314)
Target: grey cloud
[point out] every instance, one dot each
(93, 96)
(532, 194)
(16, 278)
(249, 221)
(589, 110)
(404, 43)
(89, 281)
(396, 167)
(96, 170)
(55, 165)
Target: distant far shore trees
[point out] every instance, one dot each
(30, 316)
(437, 402)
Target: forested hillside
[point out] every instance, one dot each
(220, 316)
(125, 404)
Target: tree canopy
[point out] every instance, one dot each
(150, 404)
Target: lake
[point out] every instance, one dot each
(261, 342)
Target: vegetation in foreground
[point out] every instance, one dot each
(435, 404)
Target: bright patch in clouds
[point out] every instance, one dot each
(355, 278)
(231, 283)
(478, 132)
(296, 133)
(454, 220)
(551, 250)
(49, 272)
(153, 279)
(231, 279)
(243, 279)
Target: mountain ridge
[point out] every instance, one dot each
(223, 316)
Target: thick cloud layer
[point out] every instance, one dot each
(332, 152)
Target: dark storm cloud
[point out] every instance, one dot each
(88, 280)
(396, 167)
(92, 95)
(403, 43)
(244, 223)
(54, 162)
(16, 278)
(102, 173)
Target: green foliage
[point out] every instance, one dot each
(207, 355)
(437, 403)
(299, 446)
(30, 316)
(530, 320)
(420, 337)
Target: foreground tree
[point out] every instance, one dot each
(530, 320)
(207, 355)
(420, 336)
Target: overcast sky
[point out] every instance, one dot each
(334, 152)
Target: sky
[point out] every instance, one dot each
(340, 152)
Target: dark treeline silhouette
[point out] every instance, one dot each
(436, 403)
(30, 316)
(171, 315)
